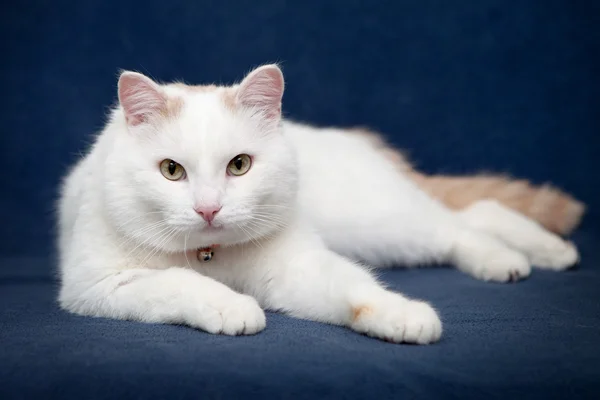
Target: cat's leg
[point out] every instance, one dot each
(487, 258)
(543, 248)
(173, 296)
(406, 227)
(304, 279)
(418, 230)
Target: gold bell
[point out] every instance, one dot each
(205, 255)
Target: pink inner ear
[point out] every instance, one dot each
(263, 89)
(140, 98)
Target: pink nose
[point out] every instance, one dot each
(208, 213)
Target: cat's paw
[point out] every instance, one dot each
(488, 259)
(238, 315)
(543, 248)
(503, 266)
(399, 320)
(549, 251)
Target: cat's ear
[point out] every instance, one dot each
(140, 97)
(262, 89)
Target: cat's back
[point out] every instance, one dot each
(336, 165)
(343, 155)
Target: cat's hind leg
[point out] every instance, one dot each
(543, 248)
(418, 231)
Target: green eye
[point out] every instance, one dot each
(239, 165)
(172, 170)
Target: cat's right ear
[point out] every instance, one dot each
(140, 97)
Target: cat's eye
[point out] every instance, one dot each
(239, 165)
(172, 170)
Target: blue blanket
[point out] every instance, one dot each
(535, 339)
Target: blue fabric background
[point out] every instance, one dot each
(462, 85)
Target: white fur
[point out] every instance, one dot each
(543, 248)
(313, 201)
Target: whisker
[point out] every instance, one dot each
(269, 219)
(257, 234)
(142, 231)
(249, 236)
(265, 223)
(267, 238)
(157, 248)
(269, 215)
(136, 217)
(147, 240)
(272, 206)
(272, 229)
(185, 249)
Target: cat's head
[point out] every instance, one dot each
(195, 166)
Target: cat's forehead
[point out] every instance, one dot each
(223, 96)
(201, 107)
(204, 118)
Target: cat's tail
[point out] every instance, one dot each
(555, 210)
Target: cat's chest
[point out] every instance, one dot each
(230, 266)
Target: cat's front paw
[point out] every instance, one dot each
(238, 315)
(398, 320)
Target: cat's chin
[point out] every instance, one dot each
(212, 228)
(211, 235)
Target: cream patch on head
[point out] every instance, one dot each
(227, 94)
(174, 106)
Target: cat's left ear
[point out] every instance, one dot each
(262, 89)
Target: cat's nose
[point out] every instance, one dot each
(208, 212)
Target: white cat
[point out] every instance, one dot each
(283, 208)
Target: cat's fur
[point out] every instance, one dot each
(312, 201)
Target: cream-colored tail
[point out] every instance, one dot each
(552, 208)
